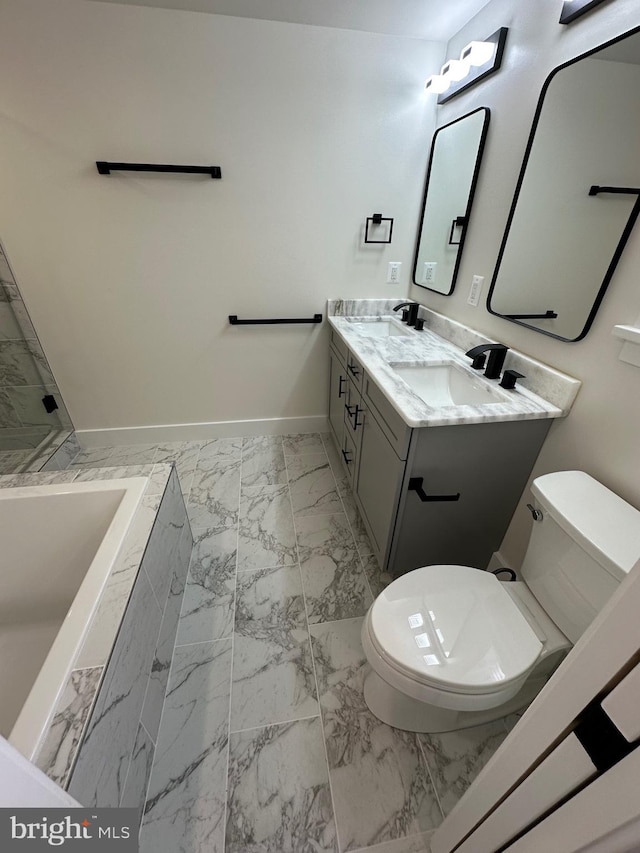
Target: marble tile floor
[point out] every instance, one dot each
(266, 743)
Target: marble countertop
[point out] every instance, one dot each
(543, 393)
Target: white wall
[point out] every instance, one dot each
(600, 435)
(130, 279)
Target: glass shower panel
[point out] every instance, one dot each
(26, 428)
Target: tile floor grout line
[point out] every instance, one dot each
(235, 610)
(372, 848)
(431, 779)
(313, 659)
(201, 643)
(276, 723)
(126, 778)
(364, 572)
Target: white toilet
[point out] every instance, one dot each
(452, 646)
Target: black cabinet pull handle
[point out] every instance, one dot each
(354, 370)
(352, 412)
(344, 455)
(341, 390)
(415, 485)
(105, 167)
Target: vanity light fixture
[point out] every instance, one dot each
(477, 60)
(572, 9)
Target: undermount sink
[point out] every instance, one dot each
(448, 385)
(385, 327)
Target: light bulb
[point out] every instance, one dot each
(478, 52)
(455, 69)
(436, 84)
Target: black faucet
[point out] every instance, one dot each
(414, 307)
(497, 354)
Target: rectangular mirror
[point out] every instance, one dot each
(454, 162)
(563, 239)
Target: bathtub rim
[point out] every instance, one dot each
(32, 725)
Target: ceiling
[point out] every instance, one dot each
(436, 20)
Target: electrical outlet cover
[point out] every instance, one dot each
(474, 292)
(393, 272)
(429, 272)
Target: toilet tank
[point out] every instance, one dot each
(586, 542)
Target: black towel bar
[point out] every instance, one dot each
(596, 190)
(548, 315)
(233, 319)
(105, 168)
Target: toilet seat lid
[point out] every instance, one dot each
(453, 627)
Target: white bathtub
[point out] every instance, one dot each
(58, 545)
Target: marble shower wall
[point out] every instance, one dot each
(115, 757)
(25, 375)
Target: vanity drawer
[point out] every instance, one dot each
(339, 346)
(395, 429)
(355, 370)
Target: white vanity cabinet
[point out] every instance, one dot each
(428, 495)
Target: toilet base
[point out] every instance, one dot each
(403, 712)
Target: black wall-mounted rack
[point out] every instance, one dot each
(548, 315)
(105, 168)
(233, 319)
(596, 190)
(377, 219)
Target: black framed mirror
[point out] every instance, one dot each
(452, 173)
(577, 196)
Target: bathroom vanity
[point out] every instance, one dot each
(437, 455)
